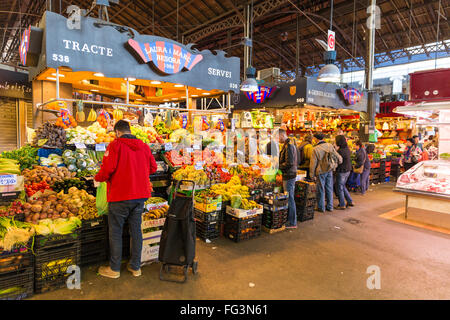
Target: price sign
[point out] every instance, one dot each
(245, 165)
(256, 168)
(8, 180)
(80, 145)
(168, 146)
(199, 165)
(197, 147)
(100, 147)
(189, 150)
(225, 170)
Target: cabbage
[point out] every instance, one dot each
(42, 229)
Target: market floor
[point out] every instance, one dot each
(325, 258)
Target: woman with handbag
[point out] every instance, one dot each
(362, 166)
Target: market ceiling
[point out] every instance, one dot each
(218, 24)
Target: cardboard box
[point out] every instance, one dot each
(242, 213)
(153, 223)
(209, 204)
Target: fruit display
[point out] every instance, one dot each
(102, 136)
(190, 173)
(92, 116)
(9, 166)
(156, 213)
(249, 204)
(31, 189)
(155, 200)
(118, 114)
(50, 175)
(26, 156)
(80, 135)
(161, 128)
(140, 134)
(103, 119)
(232, 187)
(217, 173)
(16, 207)
(50, 135)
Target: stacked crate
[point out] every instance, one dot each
(275, 212)
(94, 241)
(374, 177)
(208, 218)
(387, 174)
(54, 255)
(305, 200)
(395, 169)
(243, 228)
(382, 171)
(16, 273)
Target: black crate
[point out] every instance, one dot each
(275, 208)
(94, 252)
(238, 237)
(208, 216)
(311, 202)
(9, 196)
(93, 224)
(15, 260)
(273, 220)
(50, 272)
(207, 230)
(18, 285)
(305, 213)
(224, 209)
(305, 189)
(56, 240)
(238, 229)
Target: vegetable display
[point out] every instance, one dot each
(14, 208)
(66, 184)
(80, 135)
(51, 160)
(59, 226)
(9, 166)
(50, 135)
(26, 156)
(14, 233)
(49, 175)
(31, 189)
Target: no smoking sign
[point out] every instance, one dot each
(331, 40)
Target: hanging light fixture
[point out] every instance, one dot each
(330, 72)
(250, 84)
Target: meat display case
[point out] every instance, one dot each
(427, 190)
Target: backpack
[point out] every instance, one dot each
(332, 160)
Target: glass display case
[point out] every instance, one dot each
(427, 177)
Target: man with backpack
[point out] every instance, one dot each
(324, 161)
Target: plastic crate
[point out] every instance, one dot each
(94, 252)
(15, 260)
(224, 209)
(273, 220)
(207, 230)
(305, 213)
(238, 229)
(50, 272)
(387, 179)
(56, 240)
(17, 286)
(305, 189)
(305, 202)
(275, 208)
(93, 224)
(208, 216)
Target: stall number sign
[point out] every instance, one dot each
(8, 180)
(331, 40)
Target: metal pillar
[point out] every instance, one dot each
(371, 94)
(247, 13)
(297, 50)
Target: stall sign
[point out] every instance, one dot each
(167, 57)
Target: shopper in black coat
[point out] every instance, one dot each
(343, 172)
(362, 159)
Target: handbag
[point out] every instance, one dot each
(358, 170)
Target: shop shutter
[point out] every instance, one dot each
(29, 114)
(8, 124)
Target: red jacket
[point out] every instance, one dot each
(127, 165)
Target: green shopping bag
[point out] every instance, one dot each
(101, 200)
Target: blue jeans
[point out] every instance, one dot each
(119, 212)
(343, 194)
(365, 180)
(289, 186)
(325, 190)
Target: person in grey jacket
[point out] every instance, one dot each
(288, 166)
(321, 170)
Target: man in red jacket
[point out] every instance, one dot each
(127, 165)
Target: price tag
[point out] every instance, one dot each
(197, 147)
(245, 165)
(168, 146)
(100, 147)
(225, 170)
(8, 180)
(189, 150)
(256, 168)
(199, 165)
(80, 145)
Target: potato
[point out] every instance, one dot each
(27, 206)
(59, 208)
(50, 211)
(43, 216)
(28, 219)
(49, 216)
(36, 216)
(36, 208)
(64, 214)
(52, 198)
